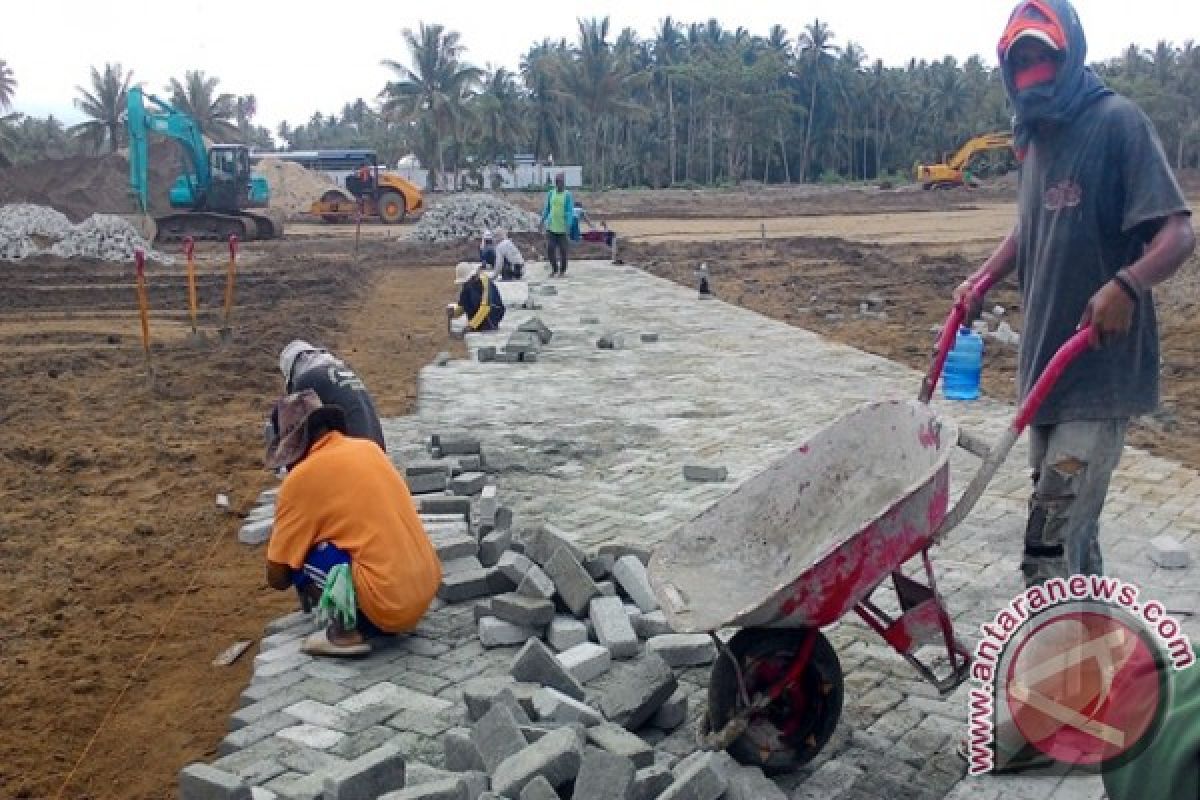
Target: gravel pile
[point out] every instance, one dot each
(28, 230)
(293, 188)
(467, 216)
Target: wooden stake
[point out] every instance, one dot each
(230, 278)
(143, 301)
(358, 215)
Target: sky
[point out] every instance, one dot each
(303, 56)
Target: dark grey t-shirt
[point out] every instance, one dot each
(1091, 195)
(340, 386)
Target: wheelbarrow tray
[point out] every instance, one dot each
(804, 541)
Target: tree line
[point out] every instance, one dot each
(693, 104)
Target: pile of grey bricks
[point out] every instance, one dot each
(523, 344)
(569, 683)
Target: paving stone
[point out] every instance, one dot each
(313, 736)
(514, 566)
(465, 564)
(482, 608)
(705, 474)
(488, 504)
(833, 779)
(652, 624)
(615, 739)
(650, 782)
(497, 736)
(444, 504)
(256, 732)
(461, 753)
(469, 584)
(386, 694)
(586, 661)
(455, 546)
(611, 341)
(603, 775)
(649, 337)
(701, 779)
(538, 789)
(607, 588)
(551, 705)
(467, 484)
(307, 760)
(367, 777)
(1167, 552)
(455, 444)
(426, 466)
(672, 713)
(556, 757)
(503, 520)
(749, 783)
(445, 789)
(520, 609)
(426, 482)
(535, 326)
(479, 694)
(281, 665)
(477, 783)
(613, 629)
(363, 742)
(297, 786)
(683, 649)
(536, 583)
(565, 632)
(203, 782)
(574, 585)
(630, 573)
(495, 632)
(258, 763)
(543, 541)
(637, 690)
(535, 663)
(493, 546)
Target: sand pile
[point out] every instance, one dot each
(293, 188)
(467, 215)
(29, 230)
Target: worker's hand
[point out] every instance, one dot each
(1110, 313)
(970, 302)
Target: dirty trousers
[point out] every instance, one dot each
(1072, 464)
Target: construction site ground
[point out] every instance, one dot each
(119, 562)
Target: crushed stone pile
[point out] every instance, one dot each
(468, 215)
(29, 230)
(293, 188)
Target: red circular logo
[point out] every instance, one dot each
(1085, 687)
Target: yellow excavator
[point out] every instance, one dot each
(954, 171)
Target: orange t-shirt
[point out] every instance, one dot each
(347, 492)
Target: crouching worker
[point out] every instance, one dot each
(347, 536)
(305, 366)
(478, 298)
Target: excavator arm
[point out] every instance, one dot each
(988, 141)
(166, 121)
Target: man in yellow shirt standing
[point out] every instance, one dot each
(557, 216)
(343, 505)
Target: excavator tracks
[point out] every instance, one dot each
(211, 226)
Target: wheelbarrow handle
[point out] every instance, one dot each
(1066, 354)
(949, 331)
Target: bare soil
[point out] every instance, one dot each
(110, 539)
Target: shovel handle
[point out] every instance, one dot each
(949, 331)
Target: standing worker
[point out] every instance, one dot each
(558, 215)
(478, 298)
(1101, 221)
(305, 366)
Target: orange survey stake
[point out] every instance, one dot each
(230, 277)
(189, 248)
(143, 301)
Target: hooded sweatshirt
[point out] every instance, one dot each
(1093, 189)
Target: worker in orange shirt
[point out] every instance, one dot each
(347, 535)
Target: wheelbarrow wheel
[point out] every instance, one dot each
(790, 731)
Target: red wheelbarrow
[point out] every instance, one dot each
(813, 537)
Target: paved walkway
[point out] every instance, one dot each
(593, 441)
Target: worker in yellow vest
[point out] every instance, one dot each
(557, 216)
(478, 298)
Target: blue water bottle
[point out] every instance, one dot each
(960, 378)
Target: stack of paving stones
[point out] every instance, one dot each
(258, 523)
(523, 345)
(540, 672)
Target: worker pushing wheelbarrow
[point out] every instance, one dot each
(809, 540)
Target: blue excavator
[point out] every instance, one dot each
(216, 196)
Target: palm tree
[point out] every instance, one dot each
(541, 68)
(215, 112)
(668, 46)
(8, 86)
(432, 92)
(105, 105)
(500, 116)
(815, 44)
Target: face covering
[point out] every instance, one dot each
(1036, 97)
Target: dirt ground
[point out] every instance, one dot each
(110, 538)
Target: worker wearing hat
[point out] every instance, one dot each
(487, 251)
(478, 298)
(1100, 221)
(306, 366)
(345, 516)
